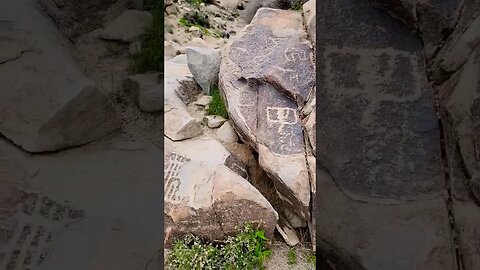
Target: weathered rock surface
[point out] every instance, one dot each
(434, 19)
(147, 92)
(204, 64)
(205, 196)
(265, 75)
(128, 27)
(226, 133)
(460, 108)
(380, 177)
(79, 196)
(46, 102)
(179, 124)
(309, 15)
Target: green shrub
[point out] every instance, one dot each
(150, 57)
(217, 105)
(292, 257)
(245, 251)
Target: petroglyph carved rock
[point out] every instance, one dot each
(266, 76)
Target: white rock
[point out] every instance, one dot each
(180, 59)
(204, 64)
(203, 101)
(214, 121)
(226, 133)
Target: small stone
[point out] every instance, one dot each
(227, 134)
(287, 232)
(294, 220)
(214, 121)
(204, 64)
(203, 101)
(171, 10)
(195, 31)
(180, 59)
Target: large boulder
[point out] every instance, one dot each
(266, 74)
(207, 193)
(380, 180)
(46, 103)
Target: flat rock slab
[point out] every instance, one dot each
(46, 103)
(205, 194)
(379, 144)
(179, 124)
(73, 213)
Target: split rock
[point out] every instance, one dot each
(205, 196)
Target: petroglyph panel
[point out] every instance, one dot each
(173, 164)
(26, 242)
(279, 127)
(284, 62)
(381, 134)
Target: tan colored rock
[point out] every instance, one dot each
(179, 124)
(226, 133)
(214, 121)
(205, 195)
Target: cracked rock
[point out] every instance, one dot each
(265, 75)
(204, 194)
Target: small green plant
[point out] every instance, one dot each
(297, 6)
(150, 57)
(247, 250)
(195, 3)
(311, 258)
(292, 257)
(217, 105)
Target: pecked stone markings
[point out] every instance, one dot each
(390, 113)
(279, 127)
